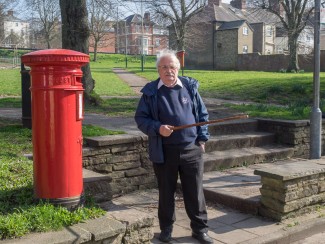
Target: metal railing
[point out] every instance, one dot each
(10, 62)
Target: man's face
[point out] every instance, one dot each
(167, 71)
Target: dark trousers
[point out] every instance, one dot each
(188, 164)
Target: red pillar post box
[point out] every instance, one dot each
(57, 113)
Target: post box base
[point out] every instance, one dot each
(27, 122)
(71, 203)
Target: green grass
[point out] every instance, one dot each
(92, 130)
(10, 102)
(19, 213)
(10, 82)
(263, 87)
(293, 90)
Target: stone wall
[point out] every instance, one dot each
(124, 159)
(294, 133)
(291, 190)
(275, 62)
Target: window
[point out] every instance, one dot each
(145, 42)
(245, 31)
(138, 28)
(269, 31)
(245, 49)
(157, 42)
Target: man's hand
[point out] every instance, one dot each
(165, 130)
(202, 145)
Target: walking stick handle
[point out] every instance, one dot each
(243, 116)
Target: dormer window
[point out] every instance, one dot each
(269, 31)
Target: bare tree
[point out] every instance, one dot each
(294, 16)
(100, 11)
(48, 14)
(75, 35)
(178, 13)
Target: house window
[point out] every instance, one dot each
(245, 49)
(138, 28)
(145, 42)
(308, 38)
(245, 31)
(157, 42)
(269, 31)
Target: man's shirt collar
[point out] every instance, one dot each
(178, 82)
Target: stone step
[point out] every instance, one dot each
(233, 127)
(245, 156)
(237, 188)
(98, 185)
(242, 140)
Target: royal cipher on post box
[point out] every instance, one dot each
(57, 114)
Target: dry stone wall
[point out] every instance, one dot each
(124, 159)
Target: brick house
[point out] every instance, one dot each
(131, 31)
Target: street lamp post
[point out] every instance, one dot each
(316, 114)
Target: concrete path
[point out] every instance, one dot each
(225, 224)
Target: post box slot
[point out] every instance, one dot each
(77, 80)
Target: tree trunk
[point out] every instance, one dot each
(75, 35)
(293, 60)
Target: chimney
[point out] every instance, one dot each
(147, 16)
(243, 4)
(215, 2)
(10, 12)
(240, 4)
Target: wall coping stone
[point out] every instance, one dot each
(92, 176)
(291, 171)
(100, 141)
(282, 122)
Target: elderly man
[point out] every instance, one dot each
(166, 102)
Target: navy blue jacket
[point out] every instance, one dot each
(146, 116)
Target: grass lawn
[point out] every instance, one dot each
(292, 90)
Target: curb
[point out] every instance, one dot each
(291, 234)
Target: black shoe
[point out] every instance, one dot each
(202, 237)
(165, 235)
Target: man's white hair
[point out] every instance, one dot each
(168, 53)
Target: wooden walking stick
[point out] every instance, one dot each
(243, 116)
